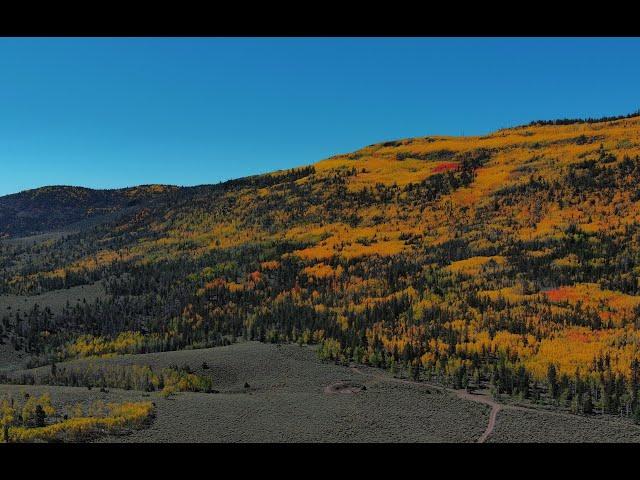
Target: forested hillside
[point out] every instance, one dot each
(51, 208)
(510, 259)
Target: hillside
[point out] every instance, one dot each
(508, 260)
(56, 208)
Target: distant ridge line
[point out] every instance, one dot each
(570, 121)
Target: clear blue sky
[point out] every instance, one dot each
(120, 112)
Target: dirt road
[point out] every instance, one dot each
(463, 394)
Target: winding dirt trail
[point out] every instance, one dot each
(463, 394)
(473, 397)
(495, 408)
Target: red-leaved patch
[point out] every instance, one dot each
(565, 294)
(556, 295)
(445, 167)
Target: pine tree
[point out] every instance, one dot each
(40, 416)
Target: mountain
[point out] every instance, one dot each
(59, 207)
(509, 259)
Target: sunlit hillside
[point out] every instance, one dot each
(510, 260)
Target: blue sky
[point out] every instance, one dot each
(107, 113)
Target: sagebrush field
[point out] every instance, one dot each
(278, 393)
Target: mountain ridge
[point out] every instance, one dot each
(159, 187)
